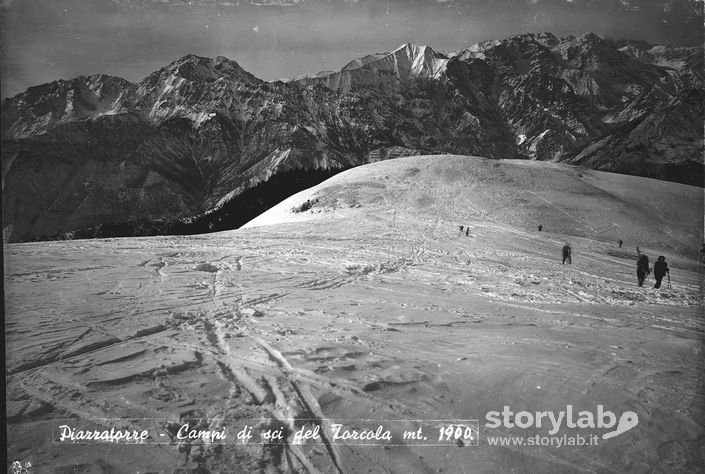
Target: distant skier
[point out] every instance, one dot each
(461, 228)
(566, 254)
(467, 232)
(660, 270)
(540, 227)
(620, 243)
(642, 266)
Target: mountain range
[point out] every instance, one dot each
(203, 145)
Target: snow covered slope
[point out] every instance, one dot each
(567, 200)
(361, 299)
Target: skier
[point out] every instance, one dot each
(642, 266)
(566, 254)
(540, 227)
(467, 232)
(461, 228)
(660, 270)
(620, 243)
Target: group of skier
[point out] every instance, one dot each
(660, 269)
(642, 266)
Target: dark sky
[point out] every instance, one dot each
(44, 40)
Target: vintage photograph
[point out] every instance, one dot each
(353, 236)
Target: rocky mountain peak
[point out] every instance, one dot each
(195, 68)
(387, 70)
(546, 39)
(408, 61)
(192, 86)
(588, 52)
(418, 61)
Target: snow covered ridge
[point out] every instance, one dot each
(199, 132)
(593, 208)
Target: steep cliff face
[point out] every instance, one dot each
(659, 143)
(194, 135)
(42, 107)
(632, 108)
(85, 172)
(560, 95)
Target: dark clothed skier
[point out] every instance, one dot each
(660, 270)
(566, 254)
(540, 227)
(620, 243)
(642, 267)
(467, 232)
